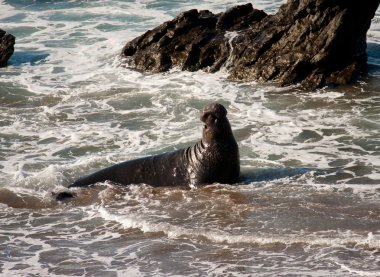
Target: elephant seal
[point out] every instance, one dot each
(215, 158)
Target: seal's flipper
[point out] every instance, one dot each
(61, 196)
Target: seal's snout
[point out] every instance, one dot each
(216, 110)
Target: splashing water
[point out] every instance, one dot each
(308, 200)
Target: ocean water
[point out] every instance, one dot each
(307, 204)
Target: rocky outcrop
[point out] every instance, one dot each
(7, 42)
(312, 42)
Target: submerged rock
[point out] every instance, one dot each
(312, 42)
(7, 42)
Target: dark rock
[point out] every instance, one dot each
(315, 43)
(7, 42)
(238, 18)
(308, 136)
(193, 40)
(312, 42)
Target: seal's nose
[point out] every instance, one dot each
(215, 109)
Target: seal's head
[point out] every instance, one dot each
(217, 126)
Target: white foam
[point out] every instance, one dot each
(358, 272)
(75, 108)
(91, 80)
(323, 239)
(6, 10)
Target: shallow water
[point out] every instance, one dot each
(307, 204)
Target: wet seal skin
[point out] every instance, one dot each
(60, 196)
(215, 158)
